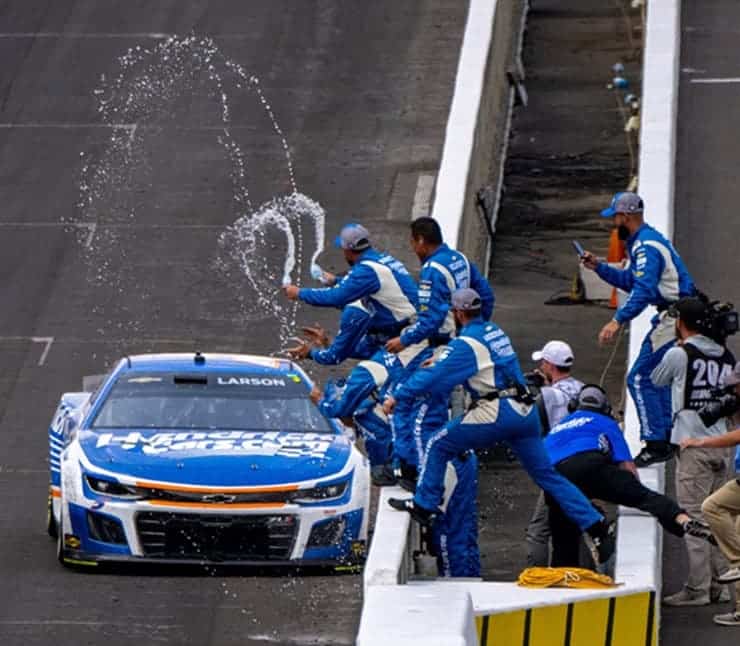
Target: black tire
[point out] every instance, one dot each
(61, 552)
(51, 524)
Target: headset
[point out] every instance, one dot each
(587, 399)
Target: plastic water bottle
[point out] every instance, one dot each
(317, 273)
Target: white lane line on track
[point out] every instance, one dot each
(50, 124)
(93, 226)
(152, 35)
(71, 622)
(6, 469)
(91, 234)
(47, 340)
(131, 127)
(221, 340)
(423, 196)
(80, 34)
(728, 79)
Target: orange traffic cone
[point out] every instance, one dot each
(616, 253)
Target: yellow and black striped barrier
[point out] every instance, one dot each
(627, 620)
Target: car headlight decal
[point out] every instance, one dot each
(321, 493)
(115, 489)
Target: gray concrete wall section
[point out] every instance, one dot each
(491, 132)
(361, 91)
(707, 228)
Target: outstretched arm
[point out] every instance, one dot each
(360, 282)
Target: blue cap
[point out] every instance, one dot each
(354, 237)
(625, 202)
(465, 299)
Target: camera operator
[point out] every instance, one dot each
(557, 388)
(722, 508)
(693, 369)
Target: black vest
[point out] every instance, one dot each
(703, 374)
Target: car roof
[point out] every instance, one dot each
(211, 362)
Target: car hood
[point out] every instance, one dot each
(217, 458)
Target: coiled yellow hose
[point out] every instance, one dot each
(564, 577)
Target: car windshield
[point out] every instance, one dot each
(252, 402)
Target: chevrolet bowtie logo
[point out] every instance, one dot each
(218, 497)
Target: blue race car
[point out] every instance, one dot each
(204, 458)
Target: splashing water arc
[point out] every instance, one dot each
(262, 249)
(247, 245)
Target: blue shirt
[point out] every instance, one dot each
(584, 431)
(656, 275)
(351, 340)
(370, 378)
(379, 278)
(442, 273)
(481, 357)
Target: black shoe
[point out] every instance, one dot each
(409, 475)
(603, 546)
(699, 529)
(654, 452)
(381, 475)
(419, 514)
(407, 485)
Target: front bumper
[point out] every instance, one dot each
(139, 531)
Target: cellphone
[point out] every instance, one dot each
(579, 249)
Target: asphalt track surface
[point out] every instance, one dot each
(706, 224)
(360, 91)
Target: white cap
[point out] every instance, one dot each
(558, 353)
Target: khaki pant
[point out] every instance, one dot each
(722, 511)
(699, 473)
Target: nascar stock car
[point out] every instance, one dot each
(204, 458)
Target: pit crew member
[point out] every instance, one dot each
(375, 276)
(482, 358)
(443, 270)
(351, 341)
(657, 276)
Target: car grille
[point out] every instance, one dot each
(216, 537)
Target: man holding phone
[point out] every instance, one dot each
(656, 276)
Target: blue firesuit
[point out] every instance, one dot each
(482, 358)
(454, 534)
(380, 279)
(657, 276)
(373, 423)
(371, 379)
(351, 340)
(360, 396)
(417, 417)
(444, 272)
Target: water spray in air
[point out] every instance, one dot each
(267, 244)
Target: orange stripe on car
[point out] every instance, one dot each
(217, 505)
(188, 489)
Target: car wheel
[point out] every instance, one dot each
(61, 551)
(51, 524)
